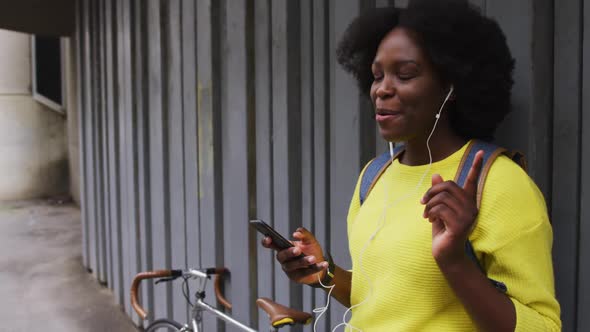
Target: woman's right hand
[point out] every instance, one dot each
(301, 269)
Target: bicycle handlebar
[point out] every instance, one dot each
(147, 275)
(218, 272)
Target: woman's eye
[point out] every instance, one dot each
(377, 77)
(405, 75)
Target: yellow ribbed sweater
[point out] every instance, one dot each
(397, 278)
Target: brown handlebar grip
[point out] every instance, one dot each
(219, 272)
(135, 285)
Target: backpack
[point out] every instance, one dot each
(378, 165)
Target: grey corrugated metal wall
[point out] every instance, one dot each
(196, 115)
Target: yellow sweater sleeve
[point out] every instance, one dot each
(524, 264)
(516, 236)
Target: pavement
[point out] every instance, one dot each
(43, 285)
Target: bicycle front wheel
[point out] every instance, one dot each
(164, 325)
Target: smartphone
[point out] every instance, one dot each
(265, 229)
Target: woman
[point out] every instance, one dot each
(437, 72)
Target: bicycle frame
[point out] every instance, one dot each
(200, 306)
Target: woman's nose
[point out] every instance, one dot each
(385, 89)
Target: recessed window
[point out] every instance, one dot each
(48, 77)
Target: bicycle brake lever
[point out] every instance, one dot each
(165, 280)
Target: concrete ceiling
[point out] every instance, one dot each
(43, 17)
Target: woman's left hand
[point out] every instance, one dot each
(452, 211)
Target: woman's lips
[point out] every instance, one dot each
(387, 116)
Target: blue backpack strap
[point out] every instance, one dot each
(518, 158)
(374, 170)
(491, 152)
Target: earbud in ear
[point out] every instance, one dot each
(451, 90)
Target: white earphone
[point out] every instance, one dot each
(451, 90)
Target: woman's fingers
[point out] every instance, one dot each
(473, 175)
(298, 263)
(443, 197)
(303, 235)
(301, 261)
(449, 186)
(299, 267)
(442, 212)
(267, 243)
(288, 254)
(447, 201)
(299, 274)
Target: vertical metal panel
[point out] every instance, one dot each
(280, 132)
(541, 115)
(128, 153)
(85, 111)
(344, 143)
(264, 139)
(103, 169)
(108, 137)
(171, 75)
(235, 107)
(307, 138)
(112, 147)
(286, 132)
(190, 153)
(160, 225)
(566, 149)
(251, 159)
(81, 83)
(95, 140)
(209, 153)
(140, 91)
(321, 134)
(119, 122)
(583, 305)
(101, 159)
(189, 106)
(91, 105)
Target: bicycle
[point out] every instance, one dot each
(279, 315)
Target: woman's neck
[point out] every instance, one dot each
(444, 142)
